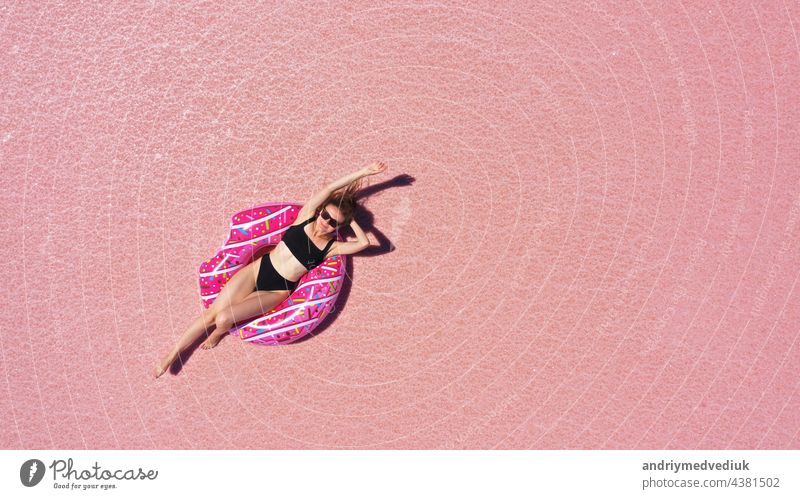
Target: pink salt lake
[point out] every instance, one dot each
(595, 209)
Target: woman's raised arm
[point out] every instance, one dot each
(373, 168)
(346, 180)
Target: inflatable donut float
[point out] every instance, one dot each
(251, 231)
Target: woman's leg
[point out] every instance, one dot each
(197, 329)
(239, 287)
(258, 303)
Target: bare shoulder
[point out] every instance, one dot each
(304, 214)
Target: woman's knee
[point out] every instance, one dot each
(224, 319)
(210, 316)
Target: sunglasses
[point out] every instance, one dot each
(328, 218)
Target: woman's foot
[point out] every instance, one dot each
(162, 366)
(212, 341)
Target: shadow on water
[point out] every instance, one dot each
(184, 357)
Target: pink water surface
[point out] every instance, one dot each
(595, 208)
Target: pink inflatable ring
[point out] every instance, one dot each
(314, 297)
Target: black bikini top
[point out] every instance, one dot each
(303, 248)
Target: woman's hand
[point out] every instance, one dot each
(374, 168)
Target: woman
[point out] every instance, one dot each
(269, 280)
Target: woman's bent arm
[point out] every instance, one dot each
(362, 237)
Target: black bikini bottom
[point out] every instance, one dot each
(269, 279)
